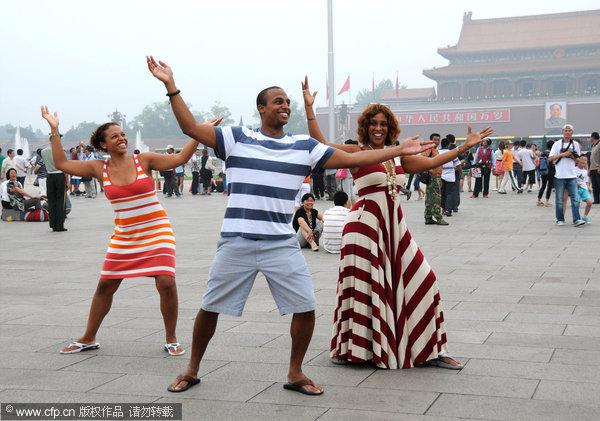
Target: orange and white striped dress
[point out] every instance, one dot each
(143, 243)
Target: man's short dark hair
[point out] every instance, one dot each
(19, 151)
(340, 198)
(261, 97)
(594, 135)
(523, 143)
(432, 135)
(8, 152)
(451, 138)
(445, 142)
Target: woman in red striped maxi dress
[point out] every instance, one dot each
(143, 243)
(388, 307)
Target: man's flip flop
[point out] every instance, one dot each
(299, 387)
(174, 345)
(190, 382)
(80, 347)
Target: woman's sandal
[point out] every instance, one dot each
(174, 346)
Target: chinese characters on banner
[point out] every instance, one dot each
(451, 117)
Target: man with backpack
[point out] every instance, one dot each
(564, 154)
(547, 174)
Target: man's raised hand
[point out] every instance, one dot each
(309, 99)
(159, 70)
(52, 119)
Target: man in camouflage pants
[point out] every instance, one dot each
(433, 194)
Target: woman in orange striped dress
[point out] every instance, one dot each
(143, 243)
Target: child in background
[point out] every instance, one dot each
(583, 186)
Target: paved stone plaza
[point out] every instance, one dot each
(521, 300)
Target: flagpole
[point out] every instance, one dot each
(349, 92)
(330, 70)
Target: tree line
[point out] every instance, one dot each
(156, 121)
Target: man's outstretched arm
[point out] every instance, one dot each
(204, 134)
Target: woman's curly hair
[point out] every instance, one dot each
(98, 135)
(365, 119)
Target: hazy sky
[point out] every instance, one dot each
(86, 58)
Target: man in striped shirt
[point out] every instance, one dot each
(265, 169)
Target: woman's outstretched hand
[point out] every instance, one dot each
(475, 138)
(159, 70)
(309, 99)
(52, 119)
(411, 146)
(214, 122)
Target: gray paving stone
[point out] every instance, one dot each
(447, 381)
(209, 409)
(357, 415)
(554, 318)
(325, 376)
(569, 391)
(353, 398)
(56, 380)
(52, 396)
(568, 371)
(577, 330)
(546, 341)
(214, 389)
(501, 352)
(510, 307)
(576, 357)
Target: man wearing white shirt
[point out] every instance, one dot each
(333, 222)
(8, 163)
(449, 181)
(563, 156)
(528, 159)
(22, 165)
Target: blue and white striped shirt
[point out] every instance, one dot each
(263, 176)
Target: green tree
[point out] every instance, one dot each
(365, 96)
(157, 121)
(81, 132)
(218, 110)
(7, 133)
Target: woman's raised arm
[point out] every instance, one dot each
(313, 127)
(91, 168)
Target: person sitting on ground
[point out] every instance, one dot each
(333, 222)
(308, 223)
(17, 196)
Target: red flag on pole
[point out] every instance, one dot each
(346, 86)
(397, 86)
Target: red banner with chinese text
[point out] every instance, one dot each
(454, 117)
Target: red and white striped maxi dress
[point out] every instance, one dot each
(143, 243)
(388, 307)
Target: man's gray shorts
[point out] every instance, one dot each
(238, 261)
